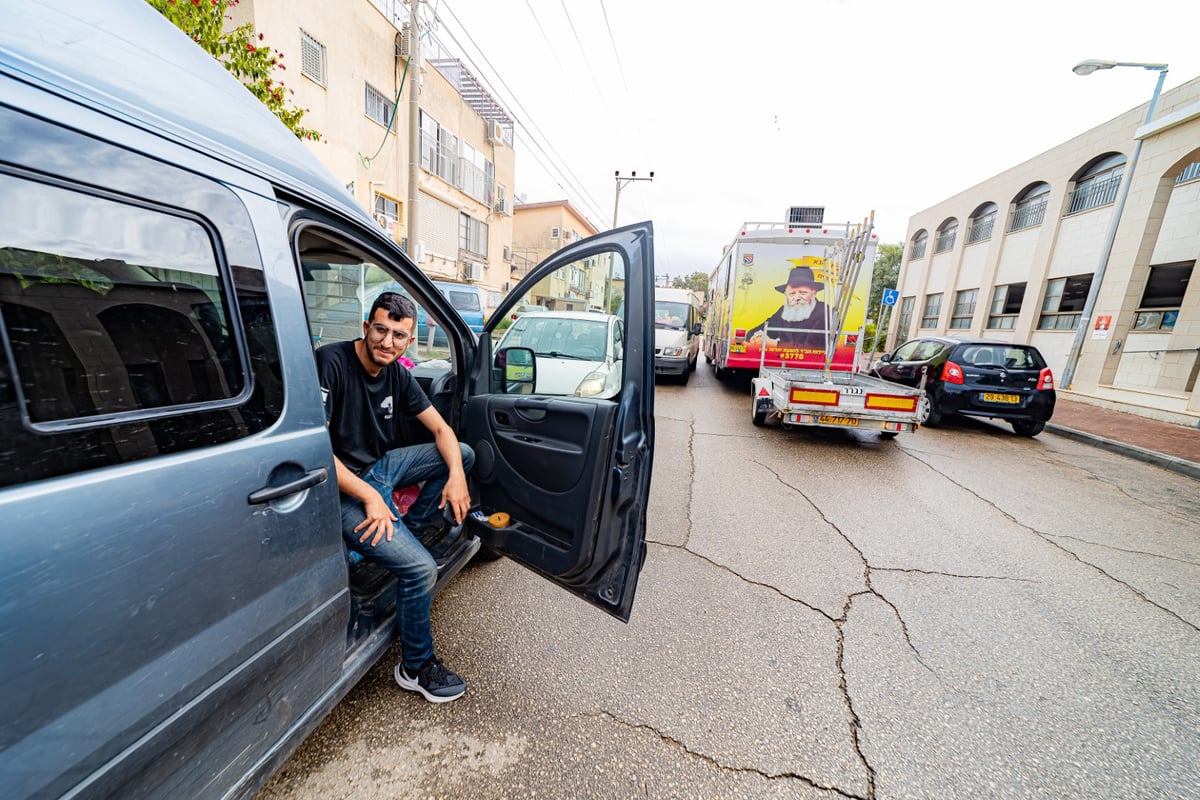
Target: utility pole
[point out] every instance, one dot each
(414, 130)
(621, 184)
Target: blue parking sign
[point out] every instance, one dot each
(890, 296)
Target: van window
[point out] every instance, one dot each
(119, 337)
(463, 300)
(110, 307)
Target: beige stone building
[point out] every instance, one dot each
(1013, 258)
(540, 229)
(346, 63)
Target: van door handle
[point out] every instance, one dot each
(306, 481)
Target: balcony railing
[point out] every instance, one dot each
(945, 241)
(981, 229)
(1093, 194)
(1028, 216)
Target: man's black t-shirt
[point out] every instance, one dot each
(367, 416)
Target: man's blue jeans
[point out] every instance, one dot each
(404, 556)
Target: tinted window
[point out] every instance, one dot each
(120, 337)
(110, 308)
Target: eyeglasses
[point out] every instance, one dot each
(383, 332)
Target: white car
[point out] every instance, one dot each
(578, 353)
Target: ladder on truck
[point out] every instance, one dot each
(843, 262)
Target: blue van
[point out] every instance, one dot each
(467, 300)
(179, 609)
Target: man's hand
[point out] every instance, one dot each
(378, 522)
(455, 493)
(758, 337)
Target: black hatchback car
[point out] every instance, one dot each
(976, 377)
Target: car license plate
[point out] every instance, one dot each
(993, 397)
(824, 419)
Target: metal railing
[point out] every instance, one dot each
(945, 240)
(981, 228)
(1028, 216)
(1093, 194)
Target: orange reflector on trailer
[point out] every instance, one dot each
(891, 402)
(820, 397)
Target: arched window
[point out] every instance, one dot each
(1030, 207)
(1097, 184)
(946, 233)
(982, 221)
(917, 248)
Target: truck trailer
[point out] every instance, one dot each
(787, 305)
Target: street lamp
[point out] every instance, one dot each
(621, 184)
(1085, 317)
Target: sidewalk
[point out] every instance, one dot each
(1164, 444)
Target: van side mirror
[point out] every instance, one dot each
(697, 329)
(516, 368)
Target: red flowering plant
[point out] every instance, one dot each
(241, 51)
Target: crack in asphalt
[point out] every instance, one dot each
(916, 571)
(671, 740)
(839, 623)
(750, 581)
(1124, 549)
(1049, 538)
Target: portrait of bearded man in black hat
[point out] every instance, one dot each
(800, 321)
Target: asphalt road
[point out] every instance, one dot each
(955, 613)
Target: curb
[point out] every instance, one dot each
(1179, 465)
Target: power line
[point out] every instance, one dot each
(530, 126)
(583, 52)
(616, 53)
(559, 173)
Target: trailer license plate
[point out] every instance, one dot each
(825, 419)
(992, 397)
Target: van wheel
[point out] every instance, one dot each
(683, 377)
(692, 364)
(1028, 427)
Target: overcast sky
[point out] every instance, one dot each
(743, 109)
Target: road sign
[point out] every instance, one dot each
(890, 296)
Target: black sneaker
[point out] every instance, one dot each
(438, 684)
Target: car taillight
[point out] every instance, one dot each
(952, 373)
(1045, 379)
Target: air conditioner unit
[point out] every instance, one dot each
(507, 253)
(474, 271)
(495, 131)
(503, 206)
(554, 232)
(404, 42)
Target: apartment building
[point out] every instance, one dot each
(1014, 257)
(347, 64)
(539, 229)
